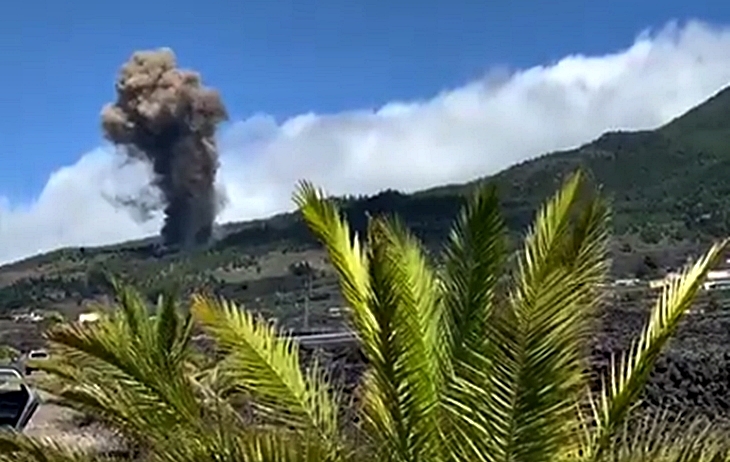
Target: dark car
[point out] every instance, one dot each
(18, 401)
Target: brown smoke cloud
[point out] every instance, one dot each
(165, 116)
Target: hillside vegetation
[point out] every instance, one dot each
(668, 189)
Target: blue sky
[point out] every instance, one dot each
(280, 57)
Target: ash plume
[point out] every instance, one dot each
(165, 116)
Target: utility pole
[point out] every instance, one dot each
(306, 300)
(303, 268)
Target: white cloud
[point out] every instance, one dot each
(457, 135)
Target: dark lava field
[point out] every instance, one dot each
(691, 379)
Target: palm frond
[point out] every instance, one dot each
(345, 252)
(401, 394)
(269, 445)
(627, 379)
(474, 263)
(393, 292)
(265, 365)
(474, 259)
(15, 447)
(537, 377)
(128, 368)
(167, 325)
(659, 439)
(458, 368)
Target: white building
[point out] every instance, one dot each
(88, 317)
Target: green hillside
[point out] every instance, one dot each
(669, 187)
(670, 182)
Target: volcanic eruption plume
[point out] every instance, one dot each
(165, 116)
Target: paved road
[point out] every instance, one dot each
(327, 339)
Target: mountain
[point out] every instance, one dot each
(669, 188)
(669, 182)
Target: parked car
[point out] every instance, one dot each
(34, 356)
(18, 401)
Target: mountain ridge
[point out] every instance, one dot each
(714, 110)
(669, 190)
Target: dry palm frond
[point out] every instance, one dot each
(15, 447)
(661, 439)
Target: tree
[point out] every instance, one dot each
(480, 359)
(648, 268)
(54, 317)
(8, 354)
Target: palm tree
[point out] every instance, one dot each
(481, 358)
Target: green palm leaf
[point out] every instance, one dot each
(129, 368)
(345, 253)
(627, 379)
(270, 445)
(394, 297)
(265, 366)
(536, 377)
(474, 260)
(401, 394)
(658, 439)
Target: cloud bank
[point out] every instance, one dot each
(457, 135)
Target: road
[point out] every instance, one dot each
(62, 425)
(342, 338)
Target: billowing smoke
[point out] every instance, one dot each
(165, 116)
